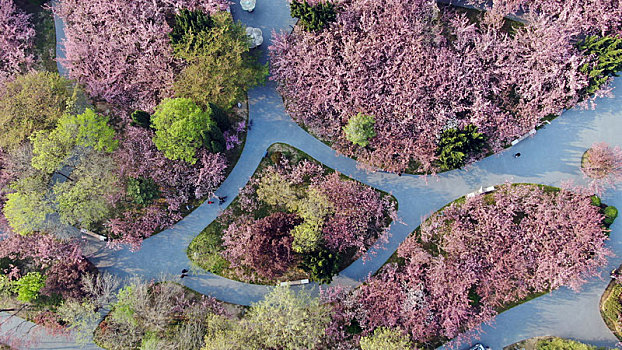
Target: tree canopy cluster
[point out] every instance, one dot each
(169, 72)
(420, 69)
(293, 214)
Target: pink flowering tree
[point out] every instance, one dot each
(16, 40)
(590, 16)
(120, 50)
(477, 256)
(603, 165)
(503, 82)
(178, 182)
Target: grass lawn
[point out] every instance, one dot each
(611, 308)
(205, 250)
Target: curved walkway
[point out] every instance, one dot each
(551, 157)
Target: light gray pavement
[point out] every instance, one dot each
(550, 157)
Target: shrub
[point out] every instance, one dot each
(141, 118)
(216, 139)
(321, 264)
(595, 200)
(456, 145)
(360, 129)
(210, 249)
(142, 190)
(275, 157)
(607, 53)
(611, 213)
(28, 286)
(187, 25)
(313, 18)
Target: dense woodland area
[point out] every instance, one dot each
(152, 117)
(478, 80)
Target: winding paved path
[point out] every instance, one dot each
(550, 157)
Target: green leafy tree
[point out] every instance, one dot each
(386, 339)
(142, 190)
(313, 18)
(456, 145)
(81, 318)
(607, 51)
(89, 130)
(52, 148)
(28, 286)
(85, 201)
(275, 190)
(360, 129)
(220, 68)
(226, 334)
(312, 209)
(181, 127)
(288, 320)
(30, 103)
(124, 307)
(27, 208)
(188, 25)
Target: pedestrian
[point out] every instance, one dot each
(516, 155)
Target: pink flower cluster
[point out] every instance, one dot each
(16, 40)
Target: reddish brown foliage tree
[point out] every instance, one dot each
(265, 245)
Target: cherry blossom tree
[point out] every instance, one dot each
(591, 16)
(603, 165)
(16, 40)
